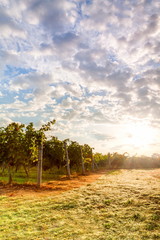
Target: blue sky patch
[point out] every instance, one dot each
(15, 71)
(88, 64)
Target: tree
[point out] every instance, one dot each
(3, 152)
(12, 142)
(88, 156)
(75, 151)
(100, 159)
(40, 138)
(53, 153)
(117, 160)
(29, 153)
(19, 147)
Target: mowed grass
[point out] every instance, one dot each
(121, 205)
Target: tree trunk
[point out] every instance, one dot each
(96, 165)
(17, 166)
(67, 161)
(39, 166)
(9, 176)
(26, 170)
(82, 162)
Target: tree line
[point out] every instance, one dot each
(24, 146)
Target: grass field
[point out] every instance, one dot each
(122, 204)
(20, 176)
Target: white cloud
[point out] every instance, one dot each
(31, 81)
(9, 26)
(81, 63)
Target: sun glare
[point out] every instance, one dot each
(140, 135)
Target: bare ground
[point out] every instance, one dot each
(58, 186)
(49, 188)
(120, 204)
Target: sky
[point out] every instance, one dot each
(92, 65)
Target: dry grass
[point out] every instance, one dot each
(124, 204)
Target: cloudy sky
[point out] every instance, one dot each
(92, 65)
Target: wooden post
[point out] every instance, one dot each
(82, 162)
(109, 160)
(67, 161)
(39, 166)
(92, 158)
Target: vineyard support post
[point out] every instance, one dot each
(92, 159)
(39, 167)
(82, 162)
(67, 161)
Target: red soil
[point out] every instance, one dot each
(57, 186)
(49, 188)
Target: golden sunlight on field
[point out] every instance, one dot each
(120, 204)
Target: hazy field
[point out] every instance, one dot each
(124, 204)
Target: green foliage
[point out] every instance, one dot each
(40, 134)
(87, 151)
(19, 146)
(13, 143)
(74, 151)
(47, 126)
(101, 159)
(87, 162)
(53, 153)
(30, 151)
(2, 145)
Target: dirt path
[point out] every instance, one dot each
(49, 188)
(58, 186)
(122, 204)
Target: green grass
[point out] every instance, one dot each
(21, 178)
(115, 207)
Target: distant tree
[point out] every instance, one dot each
(75, 151)
(100, 159)
(12, 142)
(117, 160)
(3, 150)
(155, 159)
(40, 138)
(53, 153)
(88, 156)
(30, 151)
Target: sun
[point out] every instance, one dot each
(140, 134)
